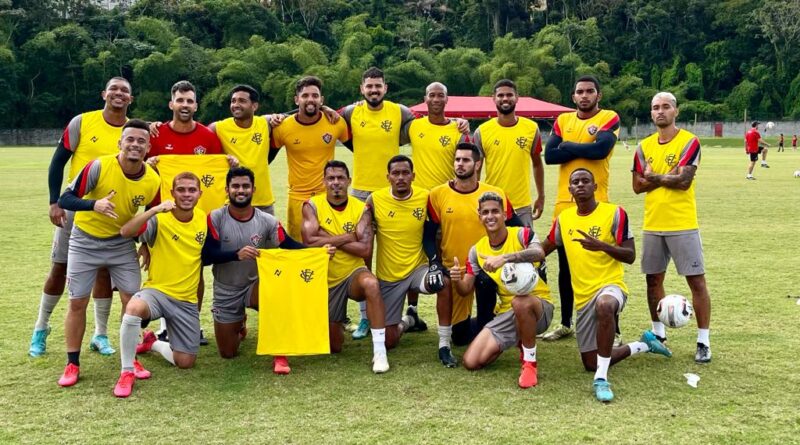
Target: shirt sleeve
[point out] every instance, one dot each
(620, 227)
(690, 155)
(72, 134)
(476, 139)
(555, 234)
(432, 215)
(406, 118)
(342, 131)
(473, 268)
(639, 161)
(86, 180)
(537, 142)
(149, 231)
(526, 236)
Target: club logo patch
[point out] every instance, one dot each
(592, 129)
(327, 138)
(255, 239)
(307, 275)
(207, 180)
(199, 150)
(137, 200)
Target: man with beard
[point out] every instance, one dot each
(310, 142)
(664, 168)
(510, 145)
(87, 137)
(581, 139)
(106, 194)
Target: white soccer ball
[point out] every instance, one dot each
(519, 278)
(674, 311)
(770, 125)
(797, 173)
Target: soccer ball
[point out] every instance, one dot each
(674, 311)
(770, 125)
(797, 173)
(519, 278)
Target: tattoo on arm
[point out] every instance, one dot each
(682, 180)
(533, 253)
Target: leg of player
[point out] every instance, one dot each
(764, 157)
(74, 328)
(655, 292)
(336, 335)
(483, 350)
(485, 299)
(527, 312)
(102, 294)
(365, 287)
(419, 324)
(701, 302)
(567, 298)
(201, 291)
(751, 166)
(363, 324)
(444, 313)
(51, 294)
(136, 311)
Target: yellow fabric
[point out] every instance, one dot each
(251, 147)
(667, 209)
(376, 138)
(293, 302)
(433, 148)
(211, 169)
(590, 271)
(175, 255)
(399, 232)
(508, 157)
(308, 148)
(584, 131)
(338, 223)
(97, 138)
(461, 229)
(130, 195)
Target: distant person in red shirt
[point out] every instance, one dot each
(794, 142)
(780, 144)
(753, 146)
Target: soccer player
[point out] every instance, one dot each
(510, 145)
(581, 139)
(180, 241)
(87, 137)
(399, 212)
(754, 145)
(434, 139)
(451, 209)
(664, 168)
(105, 195)
(519, 317)
(246, 137)
(597, 240)
(343, 223)
(310, 142)
(794, 142)
(780, 144)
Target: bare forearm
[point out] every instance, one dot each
(131, 228)
(529, 255)
(680, 181)
(624, 254)
(357, 248)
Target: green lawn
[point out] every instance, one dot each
(748, 394)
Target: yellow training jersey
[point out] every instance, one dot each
(591, 271)
(251, 147)
(308, 148)
(571, 128)
(175, 254)
(667, 209)
(100, 178)
(376, 138)
(211, 169)
(339, 222)
(508, 152)
(88, 136)
(519, 238)
(399, 232)
(433, 148)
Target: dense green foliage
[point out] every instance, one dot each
(719, 57)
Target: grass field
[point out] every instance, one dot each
(748, 394)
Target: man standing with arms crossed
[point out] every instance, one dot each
(87, 137)
(664, 168)
(106, 194)
(581, 139)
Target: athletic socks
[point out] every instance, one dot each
(46, 306)
(529, 354)
(362, 306)
(637, 347)
(659, 329)
(602, 368)
(378, 341)
(702, 337)
(445, 334)
(74, 358)
(162, 325)
(102, 309)
(128, 338)
(405, 323)
(164, 349)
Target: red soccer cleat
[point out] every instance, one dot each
(147, 342)
(280, 365)
(70, 375)
(139, 371)
(124, 385)
(527, 377)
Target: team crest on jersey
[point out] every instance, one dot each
(169, 147)
(296, 142)
(200, 237)
(255, 239)
(199, 150)
(670, 159)
(207, 180)
(307, 275)
(594, 232)
(327, 138)
(418, 213)
(137, 200)
(349, 227)
(257, 138)
(444, 140)
(592, 129)
(386, 125)
(522, 142)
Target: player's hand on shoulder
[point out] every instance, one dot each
(233, 161)
(57, 215)
(152, 161)
(105, 206)
(154, 128)
(330, 114)
(275, 120)
(462, 125)
(248, 253)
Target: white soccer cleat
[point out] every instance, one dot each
(380, 363)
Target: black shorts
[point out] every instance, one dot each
(754, 156)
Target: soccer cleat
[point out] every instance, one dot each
(419, 324)
(101, 344)
(39, 342)
(446, 357)
(654, 344)
(124, 386)
(362, 331)
(139, 371)
(163, 336)
(280, 365)
(765, 165)
(349, 326)
(380, 363)
(203, 339)
(559, 333)
(751, 178)
(703, 354)
(527, 376)
(602, 390)
(70, 376)
(147, 342)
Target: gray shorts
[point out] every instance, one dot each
(684, 247)
(87, 254)
(525, 215)
(267, 209)
(586, 327)
(60, 249)
(504, 326)
(337, 298)
(361, 195)
(394, 293)
(183, 319)
(230, 302)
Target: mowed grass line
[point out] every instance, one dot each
(746, 395)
